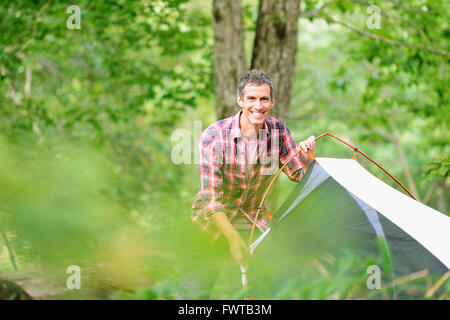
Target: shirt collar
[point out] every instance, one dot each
(236, 126)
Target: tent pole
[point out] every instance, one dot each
(369, 158)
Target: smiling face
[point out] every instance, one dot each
(255, 104)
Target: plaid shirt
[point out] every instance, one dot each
(225, 184)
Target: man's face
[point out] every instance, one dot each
(256, 103)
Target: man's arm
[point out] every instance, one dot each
(301, 161)
(238, 248)
(309, 144)
(212, 188)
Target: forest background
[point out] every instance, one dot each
(93, 112)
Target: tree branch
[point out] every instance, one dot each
(8, 246)
(394, 138)
(36, 21)
(389, 16)
(429, 193)
(50, 66)
(385, 135)
(14, 96)
(402, 158)
(386, 40)
(28, 80)
(315, 12)
(397, 4)
(345, 115)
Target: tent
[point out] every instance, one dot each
(340, 209)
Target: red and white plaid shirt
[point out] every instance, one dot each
(225, 184)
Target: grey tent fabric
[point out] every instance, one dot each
(316, 177)
(372, 215)
(322, 221)
(426, 225)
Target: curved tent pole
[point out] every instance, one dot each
(369, 158)
(313, 157)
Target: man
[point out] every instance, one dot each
(237, 155)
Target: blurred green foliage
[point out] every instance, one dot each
(86, 118)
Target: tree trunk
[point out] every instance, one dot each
(275, 49)
(229, 55)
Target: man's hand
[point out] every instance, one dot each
(310, 144)
(238, 248)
